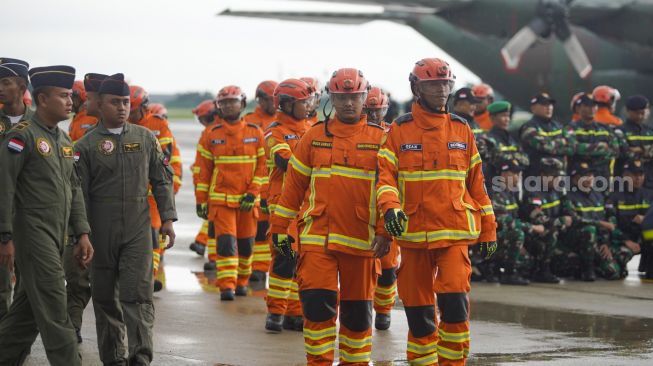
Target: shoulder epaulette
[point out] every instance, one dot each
(273, 124)
(219, 125)
(455, 117)
(21, 126)
(253, 125)
(372, 124)
(404, 118)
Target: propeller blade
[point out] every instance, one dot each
(577, 56)
(516, 46)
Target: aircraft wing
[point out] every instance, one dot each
(621, 20)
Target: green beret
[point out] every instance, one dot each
(498, 107)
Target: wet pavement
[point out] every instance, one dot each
(575, 323)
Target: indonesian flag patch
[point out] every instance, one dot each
(537, 201)
(16, 146)
(76, 156)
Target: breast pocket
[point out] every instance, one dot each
(411, 160)
(458, 160)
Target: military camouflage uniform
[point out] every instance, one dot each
(595, 144)
(542, 138)
(500, 146)
(637, 135)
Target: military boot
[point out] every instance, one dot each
(227, 295)
(273, 323)
(258, 276)
(209, 266)
(544, 275)
(382, 321)
(197, 248)
(241, 290)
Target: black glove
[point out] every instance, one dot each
(247, 202)
(487, 249)
(394, 221)
(202, 210)
(282, 243)
(264, 207)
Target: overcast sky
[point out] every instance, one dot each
(172, 46)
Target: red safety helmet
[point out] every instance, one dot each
(79, 91)
(205, 108)
(292, 90)
(482, 90)
(347, 80)
(27, 98)
(137, 97)
(157, 108)
(314, 83)
(266, 88)
(231, 92)
(576, 96)
(376, 99)
(431, 69)
(606, 94)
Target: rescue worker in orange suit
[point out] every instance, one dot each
(204, 114)
(431, 191)
(329, 186)
(293, 98)
(485, 94)
(139, 115)
(158, 109)
(313, 116)
(86, 107)
(606, 97)
(232, 171)
(263, 115)
(376, 107)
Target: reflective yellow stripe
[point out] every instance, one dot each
(552, 133)
(261, 180)
(227, 262)
(355, 357)
(293, 296)
(260, 152)
(195, 169)
(175, 159)
(386, 290)
(278, 147)
(204, 152)
(176, 179)
(453, 337)
(591, 133)
(449, 353)
(316, 335)
(476, 131)
(285, 212)
(388, 155)
(422, 349)
(321, 349)
(639, 138)
(512, 206)
(425, 361)
(385, 188)
(421, 175)
(349, 241)
(647, 234)
(226, 273)
(383, 302)
(353, 172)
(507, 148)
(278, 294)
(637, 206)
(165, 140)
(235, 159)
(234, 198)
(262, 257)
(551, 204)
(201, 187)
(590, 209)
(307, 239)
(300, 167)
(280, 282)
(321, 173)
(487, 210)
(476, 159)
(451, 235)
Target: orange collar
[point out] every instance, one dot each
(341, 129)
(428, 120)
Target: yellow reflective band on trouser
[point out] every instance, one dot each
(262, 257)
(204, 152)
(235, 159)
(316, 335)
(550, 204)
(386, 290)
(195, 169)
(639, 138)
(226, 273)
(227, 262)
(308, 239)
(487, 210)
(280, 282)
(425, 361)
(420, 175)
(293, 296)
(450, 353)
(355, 357)
(383, 302)
(422, 349)
(285, 212)
(278, 147)
(476, 159)
(300, 167)
(278, 294)
(321, 349)
(385, 188)
(354, 173)
(355, 343)
(349, 241)
(201, 187)
(590, 209)
(453, 337)
(637, 206)
(388, 155)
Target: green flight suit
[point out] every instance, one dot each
(116, 171)
(41, 197)
(5, 276)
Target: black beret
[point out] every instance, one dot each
(465, 94)
(115, 85)
(585, 99)
(13, 67)
(511, 165)
(93, 81)
(60, 76)
(637, 102)
(542, 98)
(633, 166)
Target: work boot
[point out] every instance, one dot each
(544, 275)
(158, 285)
(78, 332)
(209, 266)
(293, 323)
(241, 290)
(382, 321)
(588, 275)
(273, 323)
(511, 277)
(227, 295)
(258, 276)
(197, 248)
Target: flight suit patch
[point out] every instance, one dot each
(76, 156)
(106, 146)
(132, 147)
(367, 146)
(325, 144)
(411, 147)
(16, 145)
(43, 146)
(250, 140)
(217, 142)
(67, 151)
(456, 145)
(291, 137)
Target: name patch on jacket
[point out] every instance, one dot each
(217, 142)
(291, 137)
(326, 144)
(67, 151)
(368, 146)
(250, 140)
(457, 145)
(411, 147)
(132, 147)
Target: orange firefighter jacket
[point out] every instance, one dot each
(484, 120)
(604, 116)
(431, 169)
(260, 118)
(80, 124)
(334, 167)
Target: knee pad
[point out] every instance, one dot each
(284, 266)
(356, 315)
(245, 247)
(388, 277)
(262, 230)
(319, 305)
(421, 320)
(226, 246)
(454, 307)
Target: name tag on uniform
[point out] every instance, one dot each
(250, 140)
(325, 144)
(411, 147)
(156, 132)
(368, 146)
(291, 137)
(67, 151)
(217, 142)
(132, 147)
(457, 145)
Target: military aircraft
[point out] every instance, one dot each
(522, 47)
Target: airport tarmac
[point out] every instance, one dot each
(574, 323)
